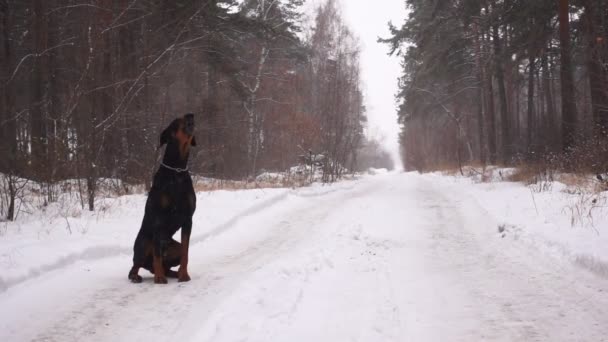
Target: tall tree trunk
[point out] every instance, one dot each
(127, 66)
(531, 148)
(254, 116)
(569, 116)
(518, 123)
(8, 127)
(490, 109)
(211, 118)
(597, 54)
(480, 101)
(39, 87)
(53, 158)
(8, 133)
(110, 137)
(502, 96)
(551, 113)
(92, 107)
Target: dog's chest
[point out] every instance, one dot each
(177, 197)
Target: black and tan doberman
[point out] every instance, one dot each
(170, 206)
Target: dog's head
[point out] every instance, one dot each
(180, 133)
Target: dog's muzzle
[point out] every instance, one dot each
(189, 124)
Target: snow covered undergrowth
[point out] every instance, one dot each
(568, 223)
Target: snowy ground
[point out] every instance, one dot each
(394, 257)
(566, 222)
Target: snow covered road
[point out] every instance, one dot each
(391, 258)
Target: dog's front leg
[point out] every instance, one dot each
(182, 273)
(160, 244)
(138, 259)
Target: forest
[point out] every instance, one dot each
(88, 85)
(508, 82)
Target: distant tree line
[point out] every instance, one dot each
(86, 87)
(374, 155)
(504, 81)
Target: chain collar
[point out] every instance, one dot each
(176, 169)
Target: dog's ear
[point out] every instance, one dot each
(168, 132)
(193, 142)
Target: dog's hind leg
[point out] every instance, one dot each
(171, 258)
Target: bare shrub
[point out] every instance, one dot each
(11, 196)
(585, 209)
(281, 180)
(539, 175)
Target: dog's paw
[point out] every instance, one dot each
(160, 280)
(183, 277)
(135, 278)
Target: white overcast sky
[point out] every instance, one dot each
(369, 20)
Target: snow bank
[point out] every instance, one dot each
(62, 234)
(562, 221)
